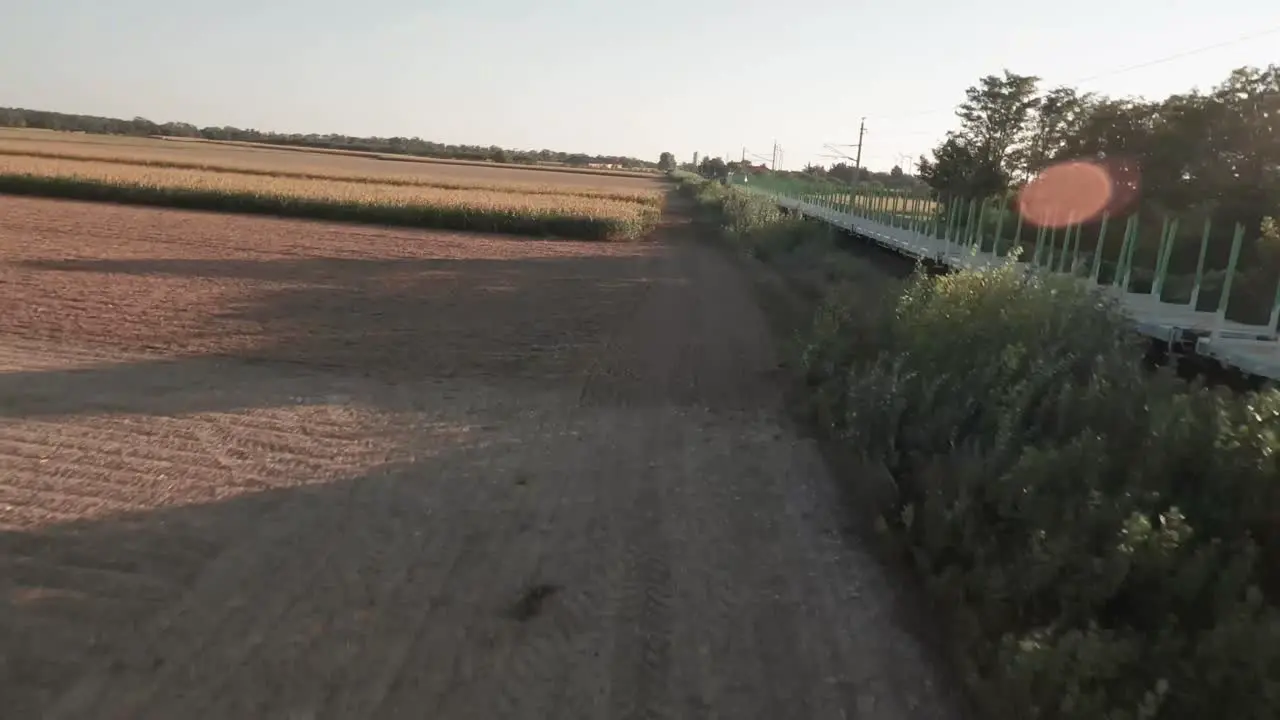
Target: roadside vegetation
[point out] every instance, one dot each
(539, 213)
(1101, 540)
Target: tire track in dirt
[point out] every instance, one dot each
(642, 658)
(684, 348)
(751, 624)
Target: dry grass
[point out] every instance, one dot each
(494, 210)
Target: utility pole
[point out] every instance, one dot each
(857, 161)
(775, 155)
(856, 176)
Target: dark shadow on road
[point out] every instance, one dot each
(173, 594)
(394, 321)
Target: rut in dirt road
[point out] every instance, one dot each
(645, 537)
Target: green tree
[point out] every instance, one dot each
(995, 118)
(1201, 155)
(958, 168)
(666, 161)
(1249, 144)
(991, 145)
(841, 171)
(713, 168)
(1058, 121)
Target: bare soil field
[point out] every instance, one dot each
(256, 468)
(382, 302)
(107, 147)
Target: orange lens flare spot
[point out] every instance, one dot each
(1071, 192)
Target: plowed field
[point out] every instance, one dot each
(253, 468)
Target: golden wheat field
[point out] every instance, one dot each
(335, 189)
(143, 171)
(320, 171)
(312, 160)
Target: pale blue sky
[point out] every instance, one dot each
(635, 77)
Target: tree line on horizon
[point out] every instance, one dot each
(714, 168)
(414, 146)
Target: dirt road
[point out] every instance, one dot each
(612, 521)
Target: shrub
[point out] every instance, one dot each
(1105, 535)
(752, 222)
(1108, 540)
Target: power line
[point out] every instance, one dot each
(755, 156)
(1116, 71)
(1120, 70)
(1178, 56)
(840, 154)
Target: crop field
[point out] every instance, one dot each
(324, 172)
(383, 302)
(398, 157)
(171, 381)
(326, 186)
(257, 467)
(272, 159)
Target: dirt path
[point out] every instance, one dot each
(643, 537)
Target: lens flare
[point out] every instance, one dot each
(1067, 193)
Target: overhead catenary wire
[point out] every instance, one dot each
(1114, 71)
(1108, 73)
(1080, 80)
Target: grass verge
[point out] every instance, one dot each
(1104, 540)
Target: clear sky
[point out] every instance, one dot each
(633, 77)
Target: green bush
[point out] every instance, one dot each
(750, 221)
(1107, 537)
(1108, 540)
